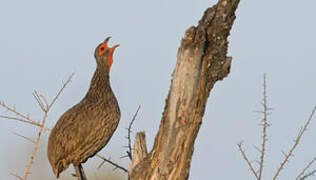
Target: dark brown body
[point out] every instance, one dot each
(87, 127)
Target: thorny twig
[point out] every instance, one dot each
(38, 100)
(265, 125)
(129, 152)
(129, 129)
(111, 162)
(247, 160)
(29, 121)
(296, 142)
(59, 93)
(312, 173)
(41, 100)
(12, 110)
(45, 110)
(305, 169)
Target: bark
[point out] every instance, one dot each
(201, 62)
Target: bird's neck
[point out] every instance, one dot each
(100, 83)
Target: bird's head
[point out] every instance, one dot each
(104, 54)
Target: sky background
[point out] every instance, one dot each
(43, 42)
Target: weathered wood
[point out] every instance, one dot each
(140, 150)
(201, 62)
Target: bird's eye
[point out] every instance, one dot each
(101, 50)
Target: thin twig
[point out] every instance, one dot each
(257, 148)
(24, 137)
(28, 167)
(297, 141)
(312, 173)
(26, 121)
(17, 176)
(247, 160)
(15, 112)
(45, 100)
(111, 162)
(60, 91)
(265, 125)
(38, 100)
(129, 129)
(305, 169)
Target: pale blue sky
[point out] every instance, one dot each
(43, 42)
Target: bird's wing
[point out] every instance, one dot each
(82, 131)
(70, 131)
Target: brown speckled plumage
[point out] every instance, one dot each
(86, 128)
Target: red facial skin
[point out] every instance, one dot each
(103, 48)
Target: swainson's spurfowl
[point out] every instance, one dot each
(87, 127)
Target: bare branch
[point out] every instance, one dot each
(39, 101)
(247, 160)
(24, 118)
(12, 110)
(28, 168)
(60, 91)
(296, 142)
(45, 110)
(26, 121)
(129, 129)
(309, 174)
(111, 162)
(17, 176)
(45, 100)
(305, 169)
(265, 125)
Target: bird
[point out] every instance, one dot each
(84, 129)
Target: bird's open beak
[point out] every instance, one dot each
(115, 47)
(106, 42)
(107, 39)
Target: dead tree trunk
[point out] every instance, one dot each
(201, 62)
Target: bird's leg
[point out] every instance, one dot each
(80, 172)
